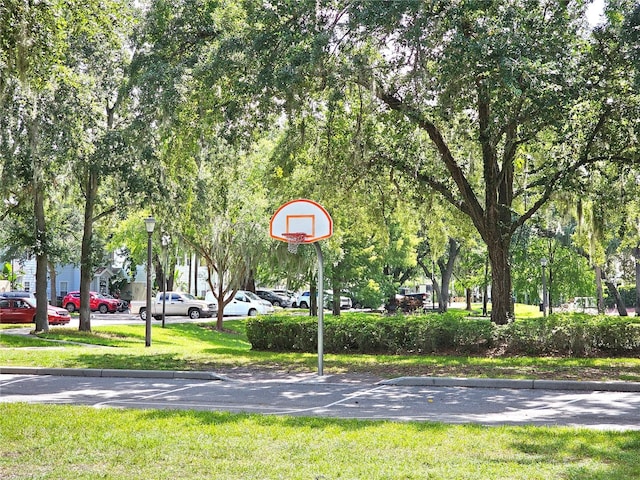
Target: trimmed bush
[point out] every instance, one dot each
(370, 333)
(572, 334)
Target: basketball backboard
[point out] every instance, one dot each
(301, 217)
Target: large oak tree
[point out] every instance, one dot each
(511, 95)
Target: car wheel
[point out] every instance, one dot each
(143, 314)
(304, 305)
(253, 312)
(194, 313)
(71, 307)
(103, 308)
(276, 304)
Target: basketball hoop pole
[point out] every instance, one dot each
(305, 221)
(320, 310)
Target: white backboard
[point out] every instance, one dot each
(301, 216)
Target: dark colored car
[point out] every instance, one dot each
(420, 298)
(273, 298)
(23, 310)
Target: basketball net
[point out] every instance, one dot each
(293, 240)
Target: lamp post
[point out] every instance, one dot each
(166, 239)
(543, 263)
(149, 224)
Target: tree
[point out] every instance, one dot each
(33, 84)
(496, 88)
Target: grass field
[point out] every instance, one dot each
(66, 442)
(199, 347)
(69, 442)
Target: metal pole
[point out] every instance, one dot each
(320, 310)
(543, 262)
(164, 277)
(147, 335)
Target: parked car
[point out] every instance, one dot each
(285, 293)
(406, 304)
(247, 304)
(97, 302)
(421, 299)
(273, 298)
(18, 294)
(23, 310)
(123, 305)
(304, 300)
(175, 304)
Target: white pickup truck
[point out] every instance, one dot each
(175, 303)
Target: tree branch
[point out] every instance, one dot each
(473, 207)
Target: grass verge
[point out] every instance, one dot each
(63, 442)
(199, 347)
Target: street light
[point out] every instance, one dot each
(543, 263)
(166, 239)
(149, 224)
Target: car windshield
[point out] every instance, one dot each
(252, 296)
(188, 296)
(30, 301)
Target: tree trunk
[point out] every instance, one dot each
(190, 263)
(549, 290)
(171, 276)
(446, 271)
(636, 254)
(468, 298)
(599, 294)
(615, 294)
(313, 299)
(195, 276)
(485, 286)
(437, 291)
(86, 256)
(219, 298)
(501, 304)
(335, 300)
(42, 320)
(52, 284)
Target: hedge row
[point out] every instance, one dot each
(452, 332)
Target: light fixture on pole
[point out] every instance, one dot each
(543, 263)
(149, 224)
(166, 239)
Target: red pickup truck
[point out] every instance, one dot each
(97, 302)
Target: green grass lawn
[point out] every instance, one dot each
(67, 442)
(199, 347)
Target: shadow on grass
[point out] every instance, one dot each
(617, 454)
(584, 454)
(157, 361)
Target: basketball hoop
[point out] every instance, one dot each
(294, 239)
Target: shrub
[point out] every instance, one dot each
(370, 333)
(571, 334)
(452, 332)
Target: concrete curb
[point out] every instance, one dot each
(400, 381)
(515, 384)
(95, 372)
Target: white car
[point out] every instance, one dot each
(247, 304)
(303, 300)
